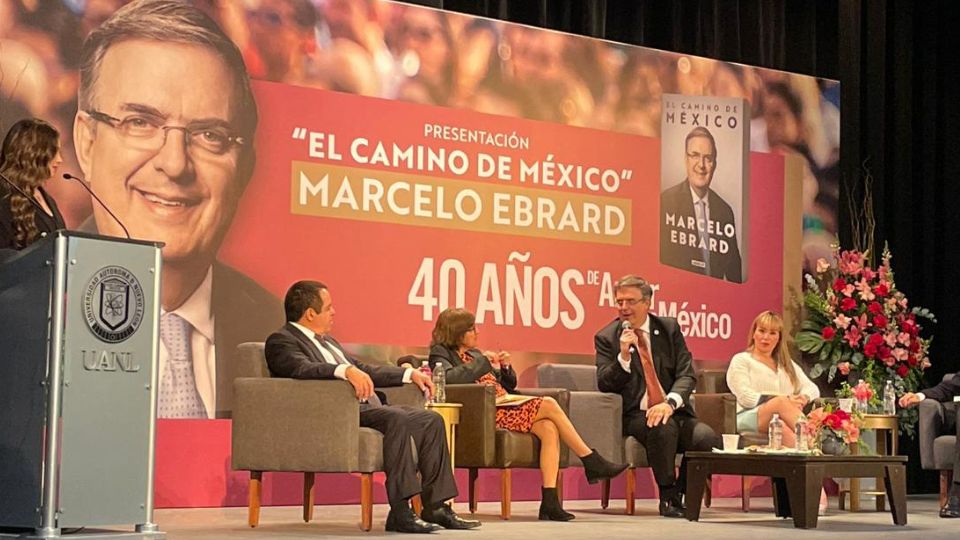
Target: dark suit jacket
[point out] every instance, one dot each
(45, 223)
(291, 354)
(243, 311)
(946, 390)
(671, 359)
(678, 201)
(460, 372)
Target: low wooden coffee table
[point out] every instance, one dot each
(797, 480)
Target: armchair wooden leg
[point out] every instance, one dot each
(308, 478)
(417, 503)
(505, 485)
(472, 489)
(631, 490)
(946, 478)
(745, 484)
(708, 493)
(560, 487)
(366, 501)
(253, 504)
(605, 495)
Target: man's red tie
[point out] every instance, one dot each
(654, 391)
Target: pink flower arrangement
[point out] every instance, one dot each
(860, 325)
(862, 391)
(841, 423)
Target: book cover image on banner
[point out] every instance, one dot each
(704, 182)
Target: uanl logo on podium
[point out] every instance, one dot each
(113, 304)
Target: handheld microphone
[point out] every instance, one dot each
(68, 176)
(627, 326)
(24, 194)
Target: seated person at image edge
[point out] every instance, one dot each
(944, 392)
(660, 416)
(303, 349)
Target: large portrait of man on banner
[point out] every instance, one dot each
(164, 134)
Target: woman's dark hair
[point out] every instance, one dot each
(452, 325)
(28, 149)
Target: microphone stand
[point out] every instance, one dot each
(68, 176)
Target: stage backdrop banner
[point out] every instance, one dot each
(414, 160)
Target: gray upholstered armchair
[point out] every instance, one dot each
(480, 445)
(598, 416)
(304, 426)
(937, 447)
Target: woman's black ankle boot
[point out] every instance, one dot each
(550, 508)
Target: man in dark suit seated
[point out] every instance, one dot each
(303, 349)
(944, 392)
(645, 359)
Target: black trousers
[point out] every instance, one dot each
(413, 440)
(682, 432)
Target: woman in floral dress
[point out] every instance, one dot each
(454, 349)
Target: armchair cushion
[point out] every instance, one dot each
(573, 377)
(598, 417)
(712, 381)
(719, 411)
(251, 360)
(291, 425)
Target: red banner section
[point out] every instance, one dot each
(405, 209)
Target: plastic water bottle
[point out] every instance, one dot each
(439, 385)
(800, 430)
(889, 399)
(775, 432)
(425, 369)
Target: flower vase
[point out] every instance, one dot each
(862, 406)
(831, 445)
(846, 404)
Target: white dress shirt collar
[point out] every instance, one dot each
(197, 310)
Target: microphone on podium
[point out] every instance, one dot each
(68, 176)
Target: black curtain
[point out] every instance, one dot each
(897, 63)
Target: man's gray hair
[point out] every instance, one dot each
(637, 282)
(172, 21)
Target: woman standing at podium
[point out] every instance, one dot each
(30, 156)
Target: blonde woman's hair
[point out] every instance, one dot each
(774, 321)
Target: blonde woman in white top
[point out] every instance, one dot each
(766, 381)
